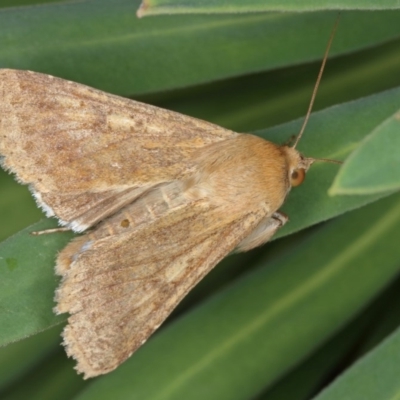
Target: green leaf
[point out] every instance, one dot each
(67, 40)
(248, 335)
(156, 7)
(374, 167)
(376, 376)
(266, 99)
(308, 378)
(55, 378)
(18, 358)
(27, 283)
(18, 3)
(386, 322)
(15, 218)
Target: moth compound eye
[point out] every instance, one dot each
(297, 177)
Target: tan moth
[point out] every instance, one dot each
(163, 198)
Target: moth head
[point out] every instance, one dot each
(298, 165)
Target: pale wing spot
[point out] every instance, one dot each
(116, 165)
(76, 134)
(116, 121)
(166, 198)
(110, 229)
(87, 245)
(174, 271)
(150, 211)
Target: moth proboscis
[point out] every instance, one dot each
(163, 198)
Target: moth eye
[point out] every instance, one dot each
(297, 177)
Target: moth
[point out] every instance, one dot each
(161, 197)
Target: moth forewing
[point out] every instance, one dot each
(120, 287)
(85, 153)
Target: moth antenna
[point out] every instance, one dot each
(325, 160)
(321, 70)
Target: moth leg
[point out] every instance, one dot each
(263, 232)
(280, 216)
(48, 231)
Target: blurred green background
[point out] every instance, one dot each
(280, 322)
